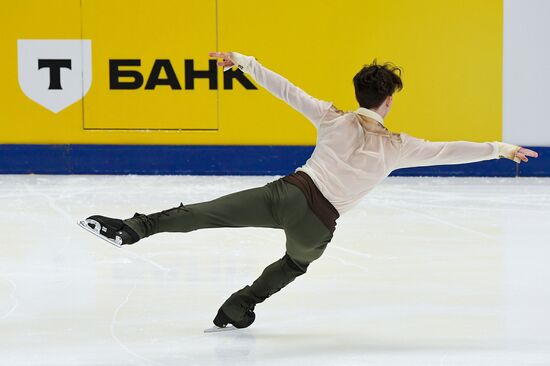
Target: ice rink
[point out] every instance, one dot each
(425, 271)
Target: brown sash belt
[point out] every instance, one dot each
(320, 206)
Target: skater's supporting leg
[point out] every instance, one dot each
(273, 278)
(307, 238)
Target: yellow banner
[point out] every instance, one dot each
(127, 72)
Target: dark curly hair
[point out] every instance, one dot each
(374, 83)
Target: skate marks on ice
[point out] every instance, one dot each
(145, 259)
(346, 263)
(118, 341)
(117, 243)
(54, 206)
(51, 201)
(445, 222)
(11, 296)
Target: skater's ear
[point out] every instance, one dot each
(385, 106)
(389, 101)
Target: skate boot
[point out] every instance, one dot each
(115, 231)
(221, 320)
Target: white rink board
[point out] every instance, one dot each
(425, 271)
(526, 72)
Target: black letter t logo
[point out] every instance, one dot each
(55, 67)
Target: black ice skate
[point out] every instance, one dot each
(221, 321)
(115, 231)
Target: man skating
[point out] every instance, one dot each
(354, 152)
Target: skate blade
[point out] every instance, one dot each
(117, 242)
(216, 329)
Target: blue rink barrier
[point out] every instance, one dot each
(217, 160)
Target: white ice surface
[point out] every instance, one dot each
(424, 271)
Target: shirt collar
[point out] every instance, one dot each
(371, 114)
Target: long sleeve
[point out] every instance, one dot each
(312, 108)
(417, 152)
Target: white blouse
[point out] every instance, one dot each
(354, 151)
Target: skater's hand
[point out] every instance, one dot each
(226, 59)
(523, 153)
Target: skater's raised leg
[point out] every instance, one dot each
(249, 208)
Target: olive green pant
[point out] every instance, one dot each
(278, 205)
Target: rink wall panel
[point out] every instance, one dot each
(215, 160)
(461, 83)
(526, 72)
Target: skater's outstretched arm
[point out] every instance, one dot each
(417, 152)
(312, 108)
